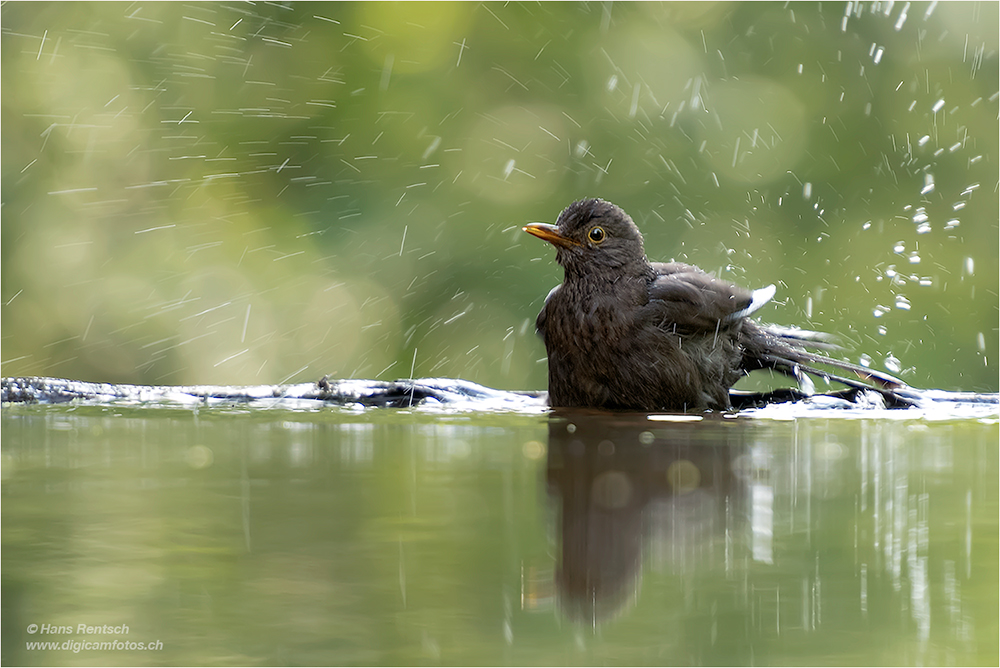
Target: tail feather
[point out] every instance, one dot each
(803, 362)
(803, 337)
(882, 380)
(785, 350)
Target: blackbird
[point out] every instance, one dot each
(624, 333)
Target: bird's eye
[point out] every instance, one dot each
(596, 234)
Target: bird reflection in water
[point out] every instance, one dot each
(618, 481)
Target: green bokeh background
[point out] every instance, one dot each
(214, 193)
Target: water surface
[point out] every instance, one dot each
(229, 536)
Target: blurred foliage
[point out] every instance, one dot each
(216, 193)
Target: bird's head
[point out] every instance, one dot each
(595, 237)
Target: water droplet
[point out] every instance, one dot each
(981, 342)
(923, 140)
(902, 303)
(508, 168)
(938, 106)
(533, 450)
(866, 360)
(899, 247)
(199, 456)
(902, 16)
(892, 364)
(878, 55)
(882, 331)
(970, 266)
(928, 184)
(435, 143)
(953, 223)
(914, 258)
(807, 190)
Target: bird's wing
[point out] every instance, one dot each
(687, 298)
(542, 315)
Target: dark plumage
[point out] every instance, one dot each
(623, 333)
